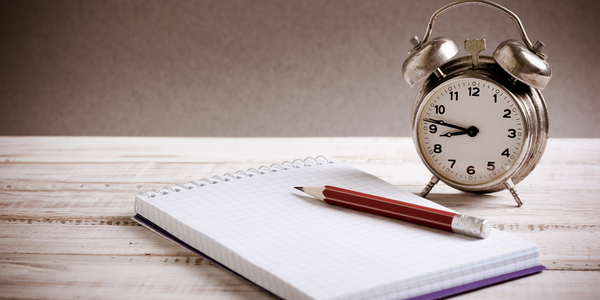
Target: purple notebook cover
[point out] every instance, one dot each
(436, 295)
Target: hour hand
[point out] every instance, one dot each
(440, 122)
(472, 131)
(451, 134)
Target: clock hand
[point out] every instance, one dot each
(440, 122)
(451, 134)
(472, 131)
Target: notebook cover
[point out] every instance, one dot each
(435, 295)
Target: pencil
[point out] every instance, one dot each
(445, 220)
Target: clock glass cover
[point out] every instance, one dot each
(471, 130)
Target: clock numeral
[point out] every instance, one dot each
(440, 109)
(453, 162)
(432, 128)
(437, 148)
(495, 98)
(470, 170)
(512, 133)
(474, 92)
(506, 113)
(454, 96)
(491, 166)
(506, 153)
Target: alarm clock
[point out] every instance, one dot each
(479, 123)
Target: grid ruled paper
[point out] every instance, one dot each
(301, 248)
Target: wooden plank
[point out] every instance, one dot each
(539, 210)
(80, 190)
(114, 239)
(126, 277)
(67, 206)
(560, 249)
(107, 174)
(545, 180)
(396, 164)
(87, 207)
(150, 149)
(568, 211)
(119, 277)
(546, 285)
(566, 250)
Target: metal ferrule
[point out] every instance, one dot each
(471, 226)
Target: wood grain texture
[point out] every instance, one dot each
(66, 205)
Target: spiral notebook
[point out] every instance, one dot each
(256, 225)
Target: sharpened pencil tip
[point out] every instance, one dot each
(299, 188)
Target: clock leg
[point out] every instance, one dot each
(511, 187)
(434, 180)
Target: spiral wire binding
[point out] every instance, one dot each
(251, 172)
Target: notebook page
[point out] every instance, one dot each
(301, 248)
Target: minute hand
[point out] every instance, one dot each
(440, 122)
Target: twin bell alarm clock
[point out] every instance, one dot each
(479, 123)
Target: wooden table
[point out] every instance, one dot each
(66, 205)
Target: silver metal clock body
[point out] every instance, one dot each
(533, 131)
(482, 147)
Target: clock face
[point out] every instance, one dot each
(471, 131)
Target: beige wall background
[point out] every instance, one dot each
(261, 68)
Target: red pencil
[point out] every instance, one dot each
(449, 221)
